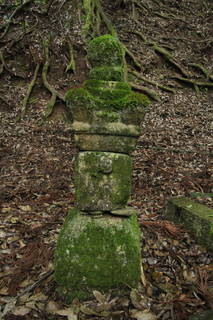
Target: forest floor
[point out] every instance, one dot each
(173, 156)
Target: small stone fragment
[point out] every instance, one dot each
(196, 217)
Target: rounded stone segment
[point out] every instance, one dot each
(105, 50)
(97, 253)
(102, 181)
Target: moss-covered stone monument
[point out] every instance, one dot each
(99, 245)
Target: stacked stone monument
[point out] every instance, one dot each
(99, 245)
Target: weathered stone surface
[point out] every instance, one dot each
(103, 181)
(196, 217)
(97, 253)
(110, 143)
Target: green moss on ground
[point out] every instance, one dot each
(97, 253)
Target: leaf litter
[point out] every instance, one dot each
(173, 158)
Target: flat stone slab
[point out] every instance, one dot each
(194, 216)
(110, 143)
(103, 181)
(97, 253)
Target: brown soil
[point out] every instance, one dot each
(173, 156)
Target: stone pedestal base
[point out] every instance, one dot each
(97, 253)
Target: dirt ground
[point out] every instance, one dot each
(173, 156)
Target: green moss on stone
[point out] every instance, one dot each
(98, 188)
(97, 253)
(108, 73)
(107, 90)
(105, 51)
(97, 104)
(196, 217)
(105, 98)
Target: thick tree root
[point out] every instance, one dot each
(71, 64)
(54, 94)
(18, 8)
(151, 93)
(157, 85)
(168, 57)
(27, 96)
(203, 70)
(94, 17)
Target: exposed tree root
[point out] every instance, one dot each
(71, 64)
(18, 8)
(203, 70)
(135, 62)
(141, 36)
(29, 90)
(168, 57)
(169, 16)
(194, 82)
(94, 17)
(156, 84)
(54, 94)
(149, 92)
(3, 63)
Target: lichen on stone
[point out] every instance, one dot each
(98, 190)
(97, 253)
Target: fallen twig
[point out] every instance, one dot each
(35, 284)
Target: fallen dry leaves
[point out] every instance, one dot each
(173, 157)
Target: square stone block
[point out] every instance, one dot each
(102, 181)
(97, 253)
